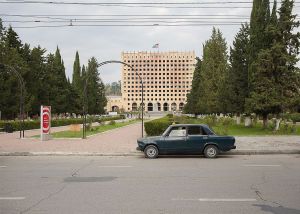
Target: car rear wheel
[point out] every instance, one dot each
(211, 151)
(151, 152)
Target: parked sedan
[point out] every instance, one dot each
(186, 139)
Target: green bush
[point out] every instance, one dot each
(158, 126)
(112, 122)
(287, 128)
(210, 120)
(295, 117)
(169, 115)
(271, 124)
(35, 124)
(118, 117)
(224, 123)
(180, 119)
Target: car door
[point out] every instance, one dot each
(196, 139)
(174, 142)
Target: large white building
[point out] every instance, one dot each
(167, 78)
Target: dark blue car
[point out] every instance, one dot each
(186, 139)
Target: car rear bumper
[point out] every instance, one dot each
(138, 149)
(233, 147)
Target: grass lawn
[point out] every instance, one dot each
(95, 130)
(241, 130)
(257, 130)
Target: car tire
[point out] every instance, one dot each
(211, 151)
(151, 152)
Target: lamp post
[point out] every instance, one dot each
(85, 94)
(22, 91)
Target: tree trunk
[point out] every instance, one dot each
(248, 121)
(278, 120)
(238, 119)
(265, 121)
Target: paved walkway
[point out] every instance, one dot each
(122, 141)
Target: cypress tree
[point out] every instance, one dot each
(35, 79)
(96, 99)
(275, 84)
(76, 81)
(237, 78)
(12, 39)
(60, 86)
(288, 43)
(193, 96)
(213, 72)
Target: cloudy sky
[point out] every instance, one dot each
(107, 43)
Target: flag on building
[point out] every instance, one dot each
(155, 46)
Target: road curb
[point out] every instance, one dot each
(262, 152)
(238, 152)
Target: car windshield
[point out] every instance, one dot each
(175, 132)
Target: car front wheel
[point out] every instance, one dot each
(211, 151)
(151, 152)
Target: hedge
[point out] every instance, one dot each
(35, 124)
(295, 117)
(158, 126)
(118, 117)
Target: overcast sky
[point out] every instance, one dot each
(107, 43)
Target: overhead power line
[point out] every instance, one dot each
(126, 3)
(144, 4)
(128, 25)
(129, 3)
(117, 21)
(121, 15)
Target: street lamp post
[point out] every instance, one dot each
(22, 91)
(85, 94)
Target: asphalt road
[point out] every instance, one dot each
(229, 184)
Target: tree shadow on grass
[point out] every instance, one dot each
(277, 210)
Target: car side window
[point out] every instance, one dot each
(203, 131)
(195, 130)
(177, 132)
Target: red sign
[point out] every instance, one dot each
(45, 119)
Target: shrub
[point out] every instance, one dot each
(226, 121)
(35, 124)
(169, 115)
(271, 124)
(118, 117)
(112, 122)
(210, 120)
(295, 117)
(180, 119)
(287, 128)
(158, 126)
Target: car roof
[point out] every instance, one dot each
(179, 125)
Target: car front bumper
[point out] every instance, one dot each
(138, 148)
(233, 147)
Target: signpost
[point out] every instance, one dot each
(45, 122)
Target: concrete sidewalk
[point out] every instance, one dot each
(122, 141)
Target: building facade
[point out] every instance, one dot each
(167, 79)
(115, 103)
